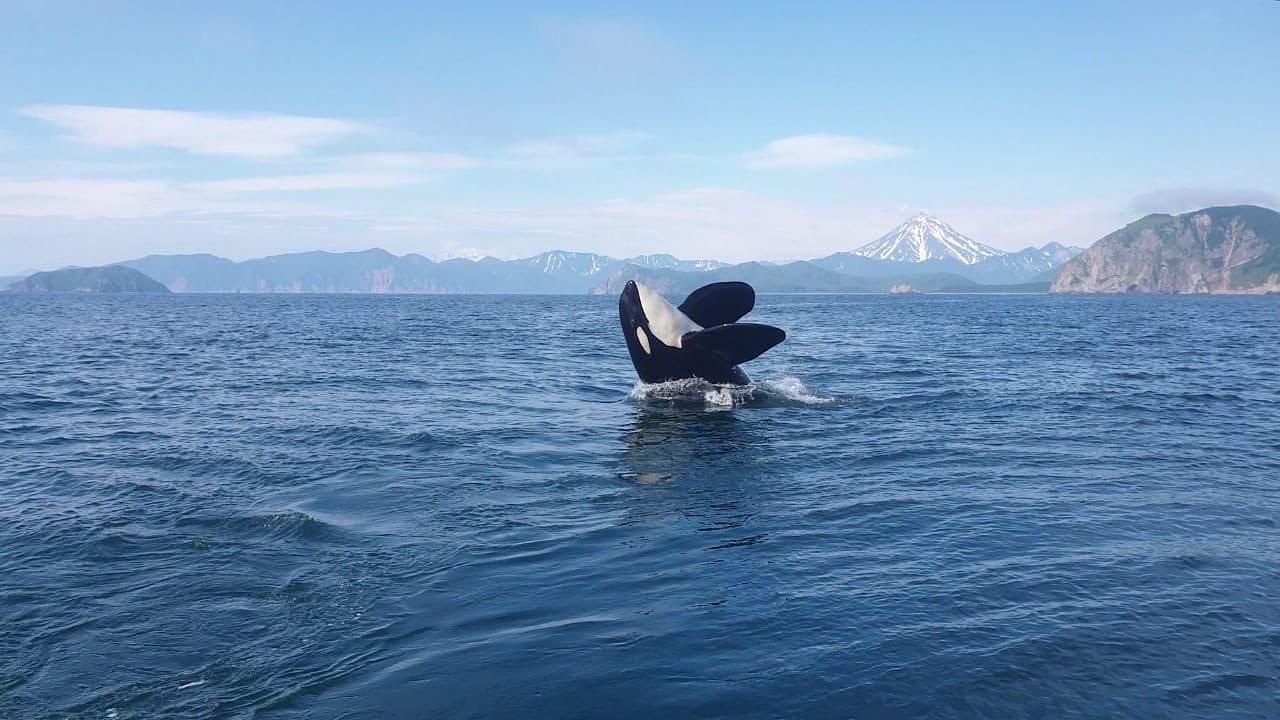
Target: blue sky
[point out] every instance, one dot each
(713, 129)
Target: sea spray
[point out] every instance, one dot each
(695, 391)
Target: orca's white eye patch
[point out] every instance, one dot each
(644, 340)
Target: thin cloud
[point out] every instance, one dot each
(608, 46)
(579, 148)
(310, 182)
(1186, 199)
(123, 199)
(84, 198)
(813, 152)
(240, 135)
(406, 160)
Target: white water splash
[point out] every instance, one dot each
(720, 397)
(792, 388)
(783, 391)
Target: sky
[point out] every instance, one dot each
(729, 130)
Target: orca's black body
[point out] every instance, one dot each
(702, 338)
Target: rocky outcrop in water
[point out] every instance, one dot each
(1216, 250)
(107, 279)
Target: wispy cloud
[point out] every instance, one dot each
(280, 151)
(579, 148)
(240, 135)
(810, 152)
(104, 198)
(1186, 199)
(309, 182)
(608, 46)
(405, 161)
(76, 197)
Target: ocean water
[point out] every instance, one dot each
(465, 507)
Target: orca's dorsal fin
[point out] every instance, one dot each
(735, 342)
(719, 303)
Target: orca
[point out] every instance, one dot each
(702, 338)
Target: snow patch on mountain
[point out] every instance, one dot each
(573, 263)
(664, 261)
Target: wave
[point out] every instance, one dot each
(695, 391)
(280, 525)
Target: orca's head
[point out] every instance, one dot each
(650, 321)
(635, 324)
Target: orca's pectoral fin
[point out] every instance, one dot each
(719, 303)
(735, 342)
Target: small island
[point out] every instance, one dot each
(105, 279)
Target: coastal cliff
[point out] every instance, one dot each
(1230, 250)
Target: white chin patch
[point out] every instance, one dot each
(666, 322)
(643, 337)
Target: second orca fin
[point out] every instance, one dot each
(734, 342)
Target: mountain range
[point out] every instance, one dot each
(1233, 249)
(378, 271)
(923, 252)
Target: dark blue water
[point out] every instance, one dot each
(455, 507)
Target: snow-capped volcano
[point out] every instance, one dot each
(926, 238)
